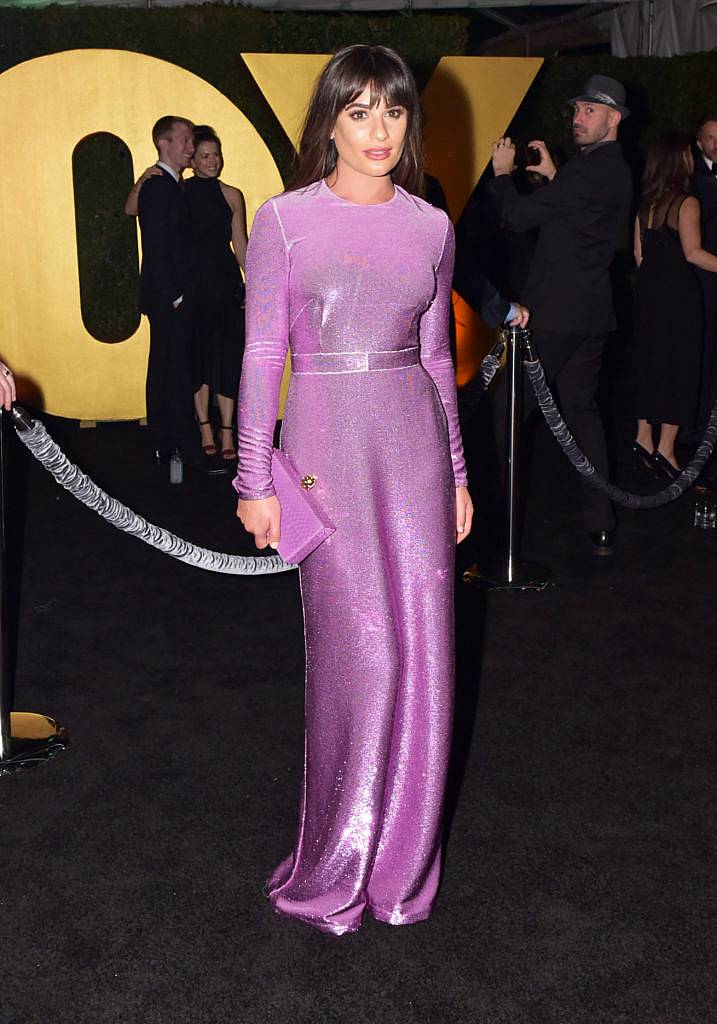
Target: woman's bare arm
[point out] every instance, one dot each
(691, 236)
(637, 243)
(235, 199)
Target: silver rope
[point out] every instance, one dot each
(49, 454)
(491, 364)
(559, 429)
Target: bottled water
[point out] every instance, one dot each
(706, 513)
(176, 468)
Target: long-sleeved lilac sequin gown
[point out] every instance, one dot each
(361, 294)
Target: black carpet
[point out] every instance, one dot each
(579, 882)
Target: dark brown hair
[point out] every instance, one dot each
(205, 133)
(163, 128)
(666, 174)
(344, 78)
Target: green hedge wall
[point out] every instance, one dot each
(207, 39)
(663, 93)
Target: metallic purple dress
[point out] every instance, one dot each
(361, 294)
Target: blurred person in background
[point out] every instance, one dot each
(579, 214)
(667, 346)
(217, 215)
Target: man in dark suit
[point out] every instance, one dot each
(704, 185)
(579, 214)
(167, 288)
(468, 279)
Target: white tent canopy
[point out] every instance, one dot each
(664, 28)
(660, 28)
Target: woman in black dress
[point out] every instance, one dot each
(219, 226)
(218, 216)
(668, 302)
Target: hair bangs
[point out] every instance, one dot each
(383, 78)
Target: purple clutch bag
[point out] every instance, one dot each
(304, 524)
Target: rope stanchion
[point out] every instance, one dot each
(565, 439)
(521, 353)
(33, 435)
(26, 739)
(510, 573)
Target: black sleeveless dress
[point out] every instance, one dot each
(667, 343)
(219, 324)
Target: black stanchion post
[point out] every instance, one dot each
(26, 739)
(511, 574)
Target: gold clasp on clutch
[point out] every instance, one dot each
(308, 481)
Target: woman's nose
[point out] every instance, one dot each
(379, 129)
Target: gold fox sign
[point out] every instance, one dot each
(49, 104)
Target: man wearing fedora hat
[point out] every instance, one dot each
(579, 214)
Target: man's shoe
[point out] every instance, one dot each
(196, 462)
(214, 467)
(603, 542)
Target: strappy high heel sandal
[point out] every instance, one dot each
(229, 454)
(208, 449)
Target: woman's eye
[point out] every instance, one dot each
(396, 113)
(358, 115)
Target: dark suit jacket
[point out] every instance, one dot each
(579, 213)
(704, 185)
(468, 278)
(169, 262)
(480, 293)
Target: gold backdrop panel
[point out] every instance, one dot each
(469, 102)
(287, 79)
(47, 105)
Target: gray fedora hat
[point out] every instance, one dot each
(601, 89)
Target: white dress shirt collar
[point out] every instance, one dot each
(169, 170)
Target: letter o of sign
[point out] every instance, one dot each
(47, 105)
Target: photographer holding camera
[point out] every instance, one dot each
(579, 214)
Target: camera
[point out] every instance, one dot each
(525, 155)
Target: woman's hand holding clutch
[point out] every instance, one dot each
(262, 518)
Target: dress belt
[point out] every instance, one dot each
(353, 362)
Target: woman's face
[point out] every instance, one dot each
(369, 140)
(207, 160)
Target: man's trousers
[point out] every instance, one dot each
(170, 410)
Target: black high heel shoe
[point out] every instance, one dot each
(660, 463)
(642, 455)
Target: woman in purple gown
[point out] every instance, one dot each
(352, 272)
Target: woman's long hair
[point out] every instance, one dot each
(666, 172)
(344, 78)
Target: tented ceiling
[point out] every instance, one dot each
(660, 28)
